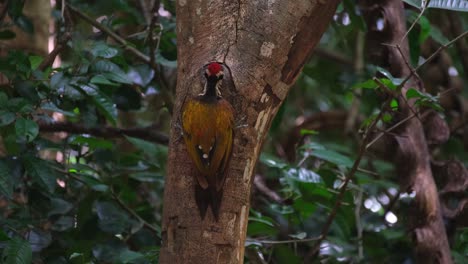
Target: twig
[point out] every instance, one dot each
(289, 241)
(4, 10)
(392, 202)
(342, 190)
(358, 68)
(156, 230)
(414, 23)
(388, 130)
(269, 193)
(49, 60)
(114, 36)
(357, 216)
(464, 34)
(146, 133)
(152, 39)
(462, 46)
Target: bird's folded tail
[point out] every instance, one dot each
(208, 197)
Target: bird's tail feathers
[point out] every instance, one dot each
(208, 197)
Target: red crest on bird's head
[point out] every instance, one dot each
(214, 68)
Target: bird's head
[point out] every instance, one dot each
(214, 71)
(213, 74)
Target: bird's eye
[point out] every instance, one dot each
(220, 77)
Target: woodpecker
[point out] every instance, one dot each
(208, 128)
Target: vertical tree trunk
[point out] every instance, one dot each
(387, 25)
(264, 44)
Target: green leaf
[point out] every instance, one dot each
(35, 61)
(112, 219)
(369, 84)
(40, 171)
(160, 59)
(3, 99)
(333, 157)
(25, 24)
(308, 132)
(438, 36)
(6, 118)
(129, 257)
(272, 161)
(265, 220)
(20, 105)
(103, 50)
(388, 75)
(101, 79)
(304, 175)
(7, 34)
(26, 130)
(105, 105)
(27, 89)
(6, 182)
(149, 148)
(387, 117)
(313, 192)
(116, 77)
(413, 93)
(3, 236)
(110, 71)
(63, 223)
(59, 207)
(300, 235)
(394, 104)
(284, 254)
(424, 99)
(93, 142)
(389, 83)
(75, 255)
(17, 251)
(457, 5)
(425, 29)
(52, 107)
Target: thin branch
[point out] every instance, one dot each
(153, 40)
(156, 230)
(141, 56)
(342, 190)
(61, 45)
(357, 216)
(388, 130)
(414, 23)
(456, 26)
(146, 133)
(261, 186)
(393, 201)
(4, 10)
(433, 55)
(358, 68)
(289, 241)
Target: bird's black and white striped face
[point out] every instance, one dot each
(213, 74)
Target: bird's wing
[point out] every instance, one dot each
(208, 134)
(191, 133)
(226, 127)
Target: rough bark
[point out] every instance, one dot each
(264, 44)
(412, 156)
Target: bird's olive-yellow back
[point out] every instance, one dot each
(208, 134)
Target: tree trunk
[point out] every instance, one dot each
(264, 44)
(411, 156)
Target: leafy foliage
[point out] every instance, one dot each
(93, 194)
